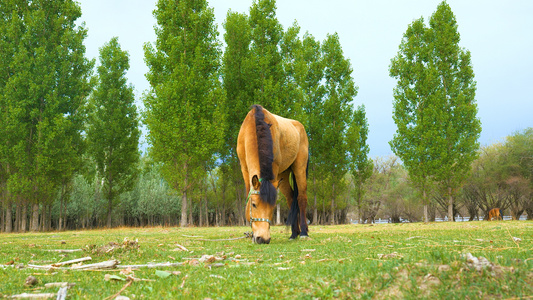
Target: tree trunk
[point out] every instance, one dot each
(9, 218)
(315, 210)
(183, 221)
(332, 217)
(60, 223)
(2, 222)
(18, 212)
(191, 219)
(206, 212)
(200, 220)
(109, 212)
(24, 218)
(425, 200)
(450, 205)
(49, 224)
(35, 217)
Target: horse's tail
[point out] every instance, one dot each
(295, 208)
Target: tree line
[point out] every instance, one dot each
(69, 156)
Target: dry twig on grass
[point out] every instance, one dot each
(62, 293)
(69, 262)
(153, 265)
(34, 296)
(63, 250)
(121, 290)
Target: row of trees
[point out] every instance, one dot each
(193, 117)
(70, 158)
(500, 178)
(69, 131)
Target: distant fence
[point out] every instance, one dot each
(445, 219)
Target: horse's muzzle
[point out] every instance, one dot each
(260, 240)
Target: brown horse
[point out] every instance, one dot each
(495, 213)
(270, 148)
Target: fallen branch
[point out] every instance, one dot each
(62, 293)
(63, 250)
(110, 264)
(182, 248)
(152, 265)
(73, 261)
(512, 238)
(121, 290)
(58, 284)
(105, 265)
(34, 296)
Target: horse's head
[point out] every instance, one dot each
(260, 211)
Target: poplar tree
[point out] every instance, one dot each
(360, 165)
(43, 86)
(265, 69)
(185, 105)
(240, 97)
(434, 105)
(113, 126)
(337, 112)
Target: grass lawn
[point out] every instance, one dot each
(404, 261)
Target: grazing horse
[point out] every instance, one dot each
(270, 149)
(495, 213)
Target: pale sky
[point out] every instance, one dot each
(497, 33)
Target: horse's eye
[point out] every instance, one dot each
(253, 204)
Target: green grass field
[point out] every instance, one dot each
(387, 261)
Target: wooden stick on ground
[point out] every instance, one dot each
(153, 265)
(110, 264)
(121, 290)
(34, 296)
(73, 261)
(62, 293)
(63, 250)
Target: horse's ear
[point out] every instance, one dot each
(256, 183)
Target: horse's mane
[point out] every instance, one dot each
(266, 156)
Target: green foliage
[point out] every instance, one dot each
(113, 126)
(42, 90)
(360, 165)
(501, 177)
(185, 107)
(434, 106)
(265, 64)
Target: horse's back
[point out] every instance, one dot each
(291, 141)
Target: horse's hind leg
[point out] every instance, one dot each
(300, 173)
(285, 188)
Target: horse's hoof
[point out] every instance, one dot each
(304, 236)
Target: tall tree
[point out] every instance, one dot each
(519, 147)
(265, 68)
(360, 165)
(185, 105)
(340, 91)
(239, 91)
(42, 91)
(434, 106)
(113, 126)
